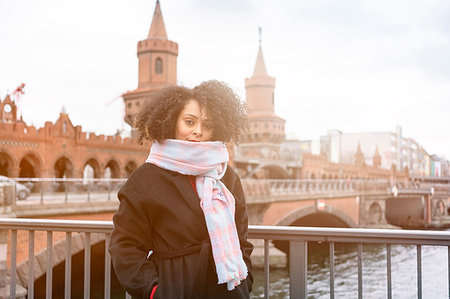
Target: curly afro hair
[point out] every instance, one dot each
(157, 118)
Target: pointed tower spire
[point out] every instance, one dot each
(359, 156)
(157, 29)
(260, 66)
(376, 160)
(265, 125)
(157, 66)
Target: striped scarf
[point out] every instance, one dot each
(208, 162)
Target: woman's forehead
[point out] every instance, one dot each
(194, 107)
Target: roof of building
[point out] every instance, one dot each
(157, 28)
(260, 66)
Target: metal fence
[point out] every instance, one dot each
(254, 187)
(298, 238)
(87, 189)
(68, 189)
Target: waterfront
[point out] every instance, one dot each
(404, 273)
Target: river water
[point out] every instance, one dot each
(404, 273)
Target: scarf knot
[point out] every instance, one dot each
(207, 161)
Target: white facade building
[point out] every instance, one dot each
(393, 148)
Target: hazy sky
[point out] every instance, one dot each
(354, 66)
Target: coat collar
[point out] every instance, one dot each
(189, 195)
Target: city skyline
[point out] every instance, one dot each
(353, 67)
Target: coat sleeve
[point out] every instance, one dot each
(241, 220)
(130, 245)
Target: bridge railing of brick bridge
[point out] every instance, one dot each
(254, 187)
(67, 189)
(298, 238)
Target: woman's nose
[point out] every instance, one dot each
(198, 130)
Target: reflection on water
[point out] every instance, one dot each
(404, 273)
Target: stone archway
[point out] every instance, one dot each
(269, 171)
(63, 168)
(92, 168)
(310, 216)
(130, 167)
(334, 215)
(30, 166)
(112, 169)
(6, 164)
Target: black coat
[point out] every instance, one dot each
(160, 211)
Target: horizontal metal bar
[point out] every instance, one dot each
(350, 235)
(56, 225)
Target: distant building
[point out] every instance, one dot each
(62, 150)
(439, 167)
(392, 147)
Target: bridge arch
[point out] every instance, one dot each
(63, 167)
(130, 166)
(269, 171)
(7, 162)
(30, 165)
(304, 216)
(311, 216)
(93, 162)
(114, 169)
(59, 255)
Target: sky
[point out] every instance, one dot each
(354, 66)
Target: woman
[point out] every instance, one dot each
(181, 227)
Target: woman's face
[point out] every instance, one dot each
(194, 123)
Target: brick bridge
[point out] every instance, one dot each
(329, 203)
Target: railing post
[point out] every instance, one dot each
(66, 198)
(3, 258)
(298, 262)
(49, 274)
(87, 265)
(41, 191)
(419, 271)
(266, 269)
(331, 270)
(109, 190)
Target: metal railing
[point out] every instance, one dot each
(89, 189)
(269, 190)
(66, 189)
(298, 238)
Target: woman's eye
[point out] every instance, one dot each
(189, 122)
(207, 127)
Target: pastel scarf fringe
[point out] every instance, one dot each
(208, 162)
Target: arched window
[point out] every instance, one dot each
(158, 66)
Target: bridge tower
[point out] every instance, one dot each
(264, 125)
(157, 65)
(265, 128)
